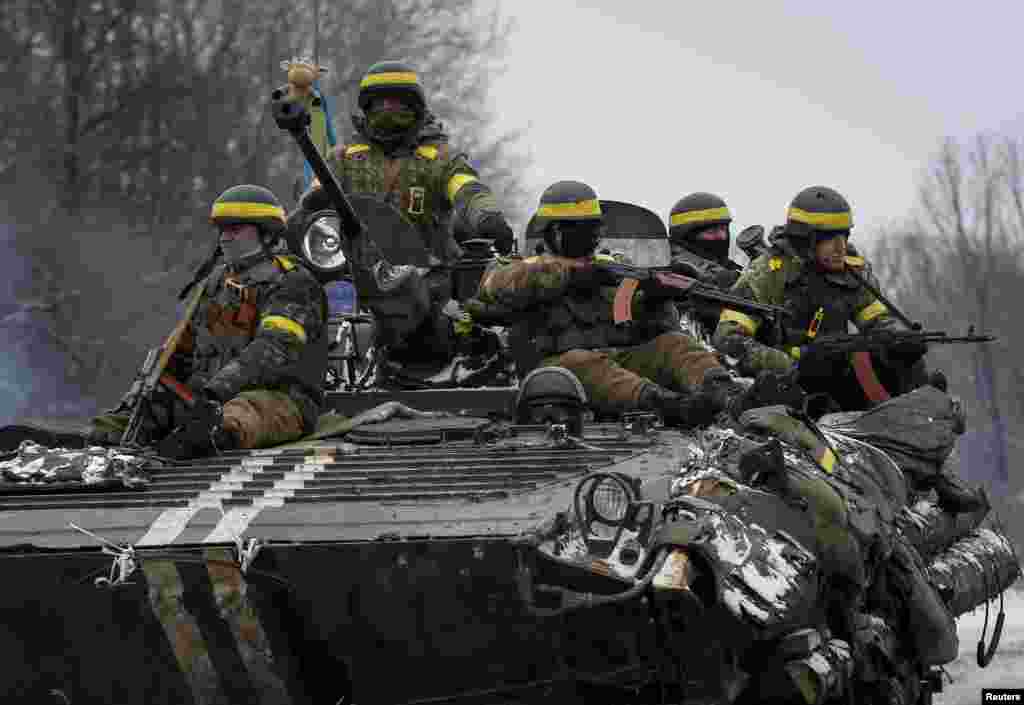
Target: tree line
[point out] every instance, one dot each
(125, 118)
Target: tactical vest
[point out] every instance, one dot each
(411, 182)
(229, 320)
(583, 320)
(822, 304)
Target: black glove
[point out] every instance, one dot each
(814, 362)
(195, 437)
(769, 389)
(495, 227)
(907, 352)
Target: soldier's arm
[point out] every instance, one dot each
(691, 265)
(736, 332)
(521, 284)
(868, 312)
(293, 316)
(473, 201)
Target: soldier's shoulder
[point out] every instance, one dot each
(292, 271)
(774, 264)
(353, 151)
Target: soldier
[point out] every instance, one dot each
(254, 357)
(699, 241)
(560, 305)
(401, 155)
(807, 270)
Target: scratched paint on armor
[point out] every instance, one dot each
(206, 600)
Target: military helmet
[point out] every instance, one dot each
(551, 394)
(695, 212)
(249, 204)
(569, 214)
(818, 211)
(391, 77)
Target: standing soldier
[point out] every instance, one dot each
(699, 242)
(559, 303)
(254, 357)
(401, 156)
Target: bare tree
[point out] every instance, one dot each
(958, 263)
(125, 118)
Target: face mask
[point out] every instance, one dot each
(389, 122)
(236, 250)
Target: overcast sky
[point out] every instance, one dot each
(649, 100)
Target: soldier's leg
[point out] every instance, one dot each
(260, 417)
(610, 387)
(673, 360)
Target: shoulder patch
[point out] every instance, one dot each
(285, 262)
(775, 264)
(427, 151)
(353, 150)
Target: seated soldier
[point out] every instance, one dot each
(808, 270)
(562, 306)
(253, 358)
(699, 241)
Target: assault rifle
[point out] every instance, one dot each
(859, 346)
(152, 371)
(662, 283)
(880, 340)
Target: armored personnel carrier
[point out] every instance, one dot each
(429, 544)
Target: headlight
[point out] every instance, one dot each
(322, 243)
(610, 501)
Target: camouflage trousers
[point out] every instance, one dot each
(613, 378)
(258, 418)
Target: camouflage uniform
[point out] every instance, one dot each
(436, 190)
(573, 328)
(257, 344)
(822, 304)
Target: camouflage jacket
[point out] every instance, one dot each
(424, 181)
(821, 304)
(537, 297)
(260, 326)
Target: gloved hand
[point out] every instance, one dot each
(770, 389)
(196, 436)
(496, 228)
(907, 352)
(815, 362)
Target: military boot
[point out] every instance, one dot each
(769, 389)
(956, 497)
(684, 410)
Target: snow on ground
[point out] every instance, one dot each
(1006, 669)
